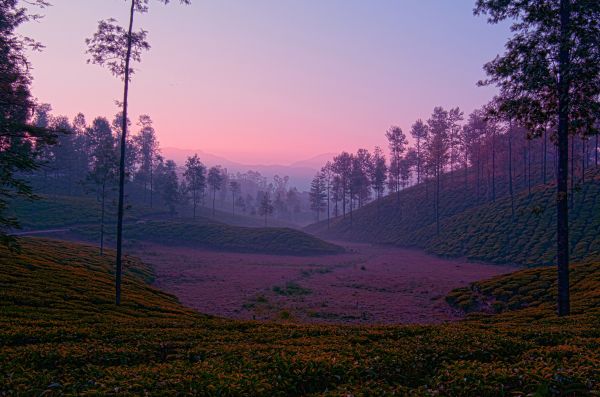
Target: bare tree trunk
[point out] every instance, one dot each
(119, 264)
(529, 167)
(151, 180)
(583, 158)
(328, 201)
(545, 151)
(494, 165)
(572, 171)
(102, 219)
(562, 209)
(214, 198)
(437, 201)
(510, 172)
(596, 152)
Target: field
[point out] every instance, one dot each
(366, 285)
(60, 334)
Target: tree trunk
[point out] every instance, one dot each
(437, 201)
(596, 152)
(214, 198)
(510, 172)
(529, 167)
(583, 158)
(562, 209)
(572, 171)
(194, 199)
(493, 166)
(151, 180)
(102, 219)
(119, 265)
(544, 160)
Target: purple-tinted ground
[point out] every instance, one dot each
(368, 285)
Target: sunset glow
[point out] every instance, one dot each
(274, 81)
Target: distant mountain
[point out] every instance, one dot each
(300, 172)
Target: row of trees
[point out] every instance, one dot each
(85, 160)
(487, 154)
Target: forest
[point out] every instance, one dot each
(460, 257)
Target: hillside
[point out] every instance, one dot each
(204, 233)
(60, 335)
(479, 231)
(81, 216)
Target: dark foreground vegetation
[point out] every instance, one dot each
(487, 232)
(61, 334)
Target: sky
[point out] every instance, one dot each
(273, 81)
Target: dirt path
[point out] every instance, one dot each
(369, 285)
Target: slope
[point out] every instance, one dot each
(82, 217)
(60, 335)
(480, 231)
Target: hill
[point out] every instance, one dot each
(480, 231)
(81, 216)
(60, 335)
(205, 233)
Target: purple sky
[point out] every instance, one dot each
(274, 81)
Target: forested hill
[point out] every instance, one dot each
(481, 231)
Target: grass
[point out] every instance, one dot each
(49, 212)
(82, 216)
(479, 231)
(61, 335)
(204, 233)
(291, 289)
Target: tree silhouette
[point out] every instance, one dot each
(114, 47)
(195, 176)
(20, 141)
(215, 181)
(550, 76)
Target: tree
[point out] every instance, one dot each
(116, 48)
(215, 181)
(103, 165)
(342, 167)
(328, 176)
(397, 143)
(20, 141)
(167, 184)
(147, 149)
(455, 116)
(265, 207)
(318, 193)
(361, 176)
(437, 147)
(550, 75)
(195, 177)
(379, 174)
(419, 132)
(234, 186)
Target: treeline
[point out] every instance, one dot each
(487, 154)
(85, 160)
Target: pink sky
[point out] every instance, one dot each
(274, 81)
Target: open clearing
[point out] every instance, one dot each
(368, 285)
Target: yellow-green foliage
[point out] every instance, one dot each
(532, 288)
(486, 232)
(60, 335)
